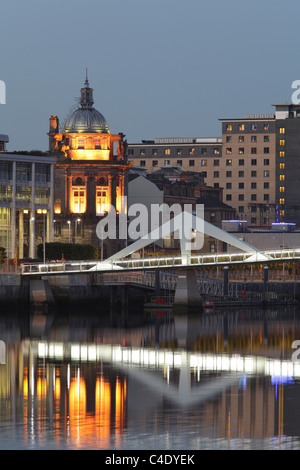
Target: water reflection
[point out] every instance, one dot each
(150, 381)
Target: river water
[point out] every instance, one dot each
(226, 379)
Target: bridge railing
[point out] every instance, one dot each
(215, 259)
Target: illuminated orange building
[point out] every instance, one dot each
(90, 173)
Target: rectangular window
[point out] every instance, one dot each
(23, 172)
(228, 138)
(266, 161)
(203, 162)
(228, 162)
(142, 162)
(241, 150)
(216, 162)
(253, 138)
(253, 220)
(216, 174)
(282, 130)
(253, 150)
(241, 185)
(266, 197)
(253, 162)
(253, 185)
(179, 151)
(142, 152)
(266, 185)
(97, 144)
(253, 197)
(266, 127)
(102, 205)
(179, 162)
(228, 197)
(191, 151)
(78, 199)
(216, 151)
(281, 177)
(241, 197)
(253, 127)
(241, 139)
(154, 152)
(241, 127)
(266, 150)
(229, 127)
(241, 208)
(241, 162)
(167, 162)
(281, 189)
(204, 151)
(241, 174)
(228, 186)
(282, 154)
(81, 143)
(281, 166)
(192, 162)
(266, 138)
(266, 173)
(228, 174)
(167, 152)
(282, 142)
(281, 200)
(229, 150)
(154, 163)
(253, 174)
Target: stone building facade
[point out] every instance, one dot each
(90, 174)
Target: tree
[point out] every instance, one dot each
(68, 251)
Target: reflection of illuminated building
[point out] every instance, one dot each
(90, 174)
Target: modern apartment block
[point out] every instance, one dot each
(288, 162)
(248, 168)
(256, 162)
(242, 162)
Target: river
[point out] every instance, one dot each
(225, 379)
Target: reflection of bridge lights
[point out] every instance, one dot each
(278, 380)
(243, 382)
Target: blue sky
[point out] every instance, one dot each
(165, 68)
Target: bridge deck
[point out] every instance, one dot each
(168, 262)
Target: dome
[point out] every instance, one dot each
(86, 118)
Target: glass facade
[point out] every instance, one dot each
(26, 188)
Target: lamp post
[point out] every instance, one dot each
(69, 223)
(77, 220)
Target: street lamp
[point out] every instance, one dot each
(43, 234)
(69, 223)
(77, 220)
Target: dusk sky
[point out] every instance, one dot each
(161, 68)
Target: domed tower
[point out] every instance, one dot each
(85, 135)
(90, 174)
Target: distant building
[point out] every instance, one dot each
(3, 141)
(90, 173)
(191, 154)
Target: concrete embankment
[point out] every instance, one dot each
(12, 290)
(65, 289)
